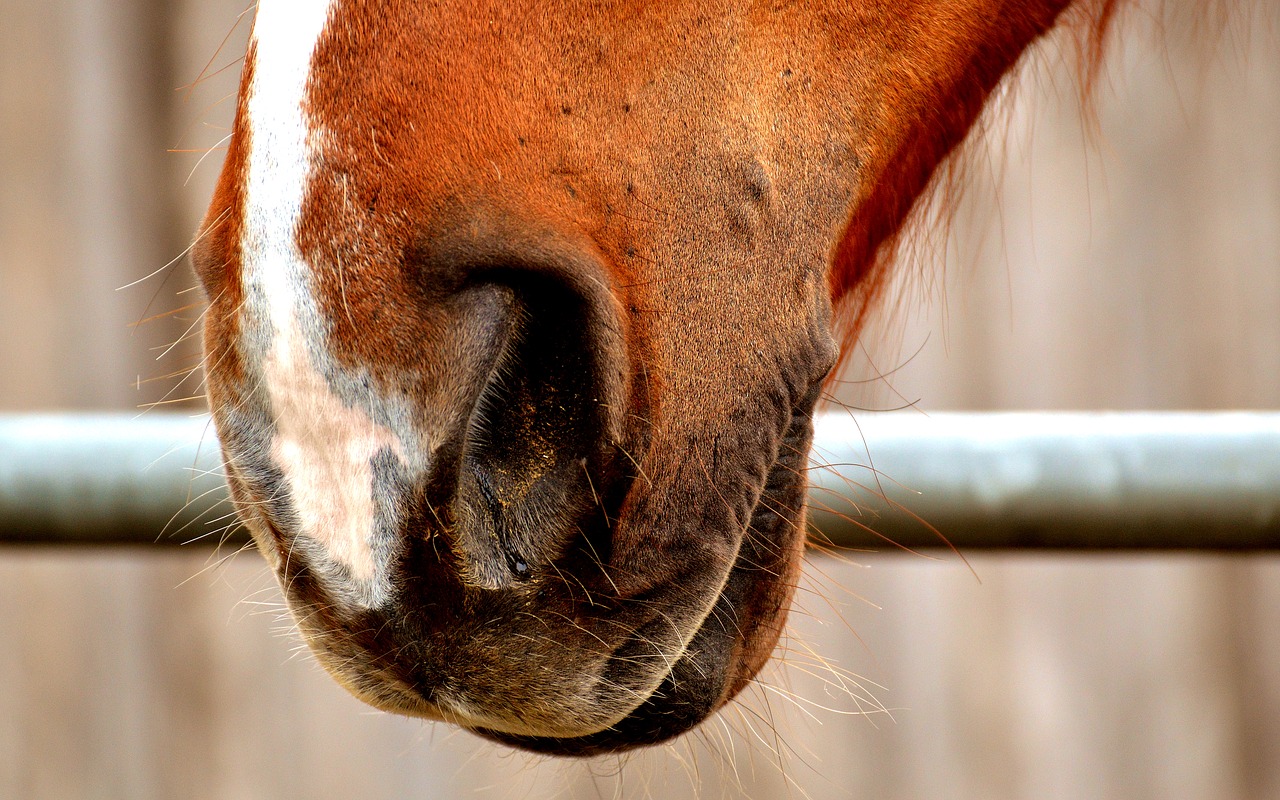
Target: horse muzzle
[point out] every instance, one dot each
(473, 514)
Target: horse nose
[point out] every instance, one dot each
(534, 466)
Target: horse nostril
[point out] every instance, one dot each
(540, 399)
(534, 454)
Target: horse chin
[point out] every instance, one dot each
(723, 657)
(699, 683)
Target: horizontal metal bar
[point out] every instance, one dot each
(1206, 481)
(1023, 480)
(109, 479)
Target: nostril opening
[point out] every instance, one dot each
(533, 452)
(536, 471)
(538, 410)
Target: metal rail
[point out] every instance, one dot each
(1205, 481)
(1208, 481)
(109, 479)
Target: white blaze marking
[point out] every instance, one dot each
(323, 446)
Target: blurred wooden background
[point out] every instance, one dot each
(1136, 267)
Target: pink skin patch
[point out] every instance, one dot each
(325, 449)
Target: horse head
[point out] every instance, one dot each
(518, 317)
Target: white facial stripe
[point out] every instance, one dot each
(323, 446)
(284, 36)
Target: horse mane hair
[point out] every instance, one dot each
(1082, 37)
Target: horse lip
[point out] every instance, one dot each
(657, 716)
(650, 711)
(660, 716)
(395, 687)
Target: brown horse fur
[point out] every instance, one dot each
(579, 263)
